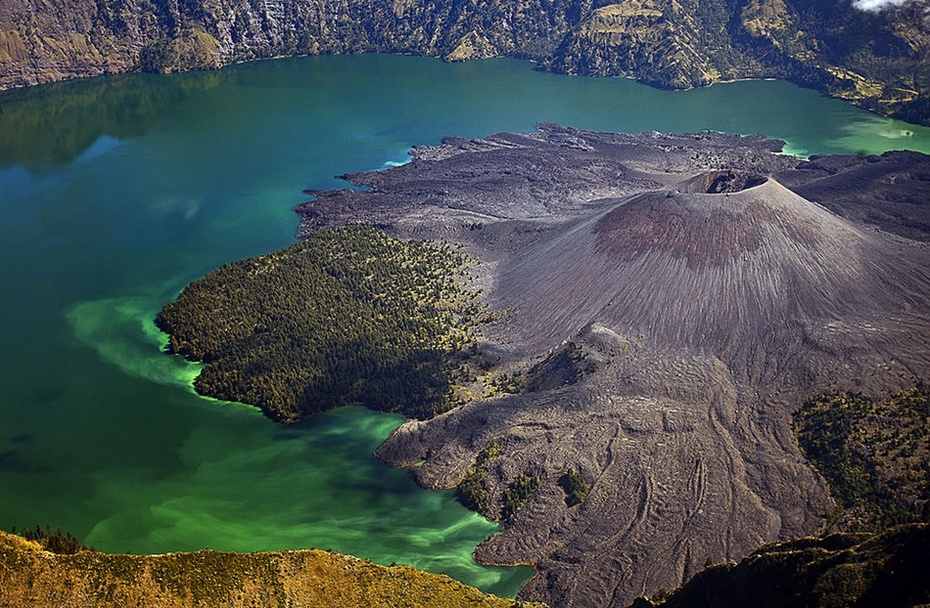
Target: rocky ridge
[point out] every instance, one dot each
(875, 59)
(31, 576)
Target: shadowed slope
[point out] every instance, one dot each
(862, 570)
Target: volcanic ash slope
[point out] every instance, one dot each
(707, 312)
(748, 276)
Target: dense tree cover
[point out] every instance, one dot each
(345, 317)
(574, 486)
(875, 455)
(517, 493)
(156, 56)
(472, 492)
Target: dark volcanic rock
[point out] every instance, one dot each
(721, 182)
(703, 319)
(889, 191)
(509, 189)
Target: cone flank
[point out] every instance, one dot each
(710, 230)
(707, 270)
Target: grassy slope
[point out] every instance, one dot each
(30, 576)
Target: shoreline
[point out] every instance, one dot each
(861, 103)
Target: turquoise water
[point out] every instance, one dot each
(116, 192)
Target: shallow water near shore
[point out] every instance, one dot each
(116, 192)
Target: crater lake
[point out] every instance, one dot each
(115, 192)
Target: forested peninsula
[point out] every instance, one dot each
(874, 54)
(347, 316)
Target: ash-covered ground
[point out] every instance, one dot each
(674, 299)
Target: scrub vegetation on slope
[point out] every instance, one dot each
(874, 453)
(32, 577)
(862, 570)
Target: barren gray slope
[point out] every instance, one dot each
(669, 486)
(710, 316)
(889, 191)
(498, 193)
(713, 272)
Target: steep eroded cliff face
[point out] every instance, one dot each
(47, 40)
(875, 59)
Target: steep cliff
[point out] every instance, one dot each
(876, 59)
